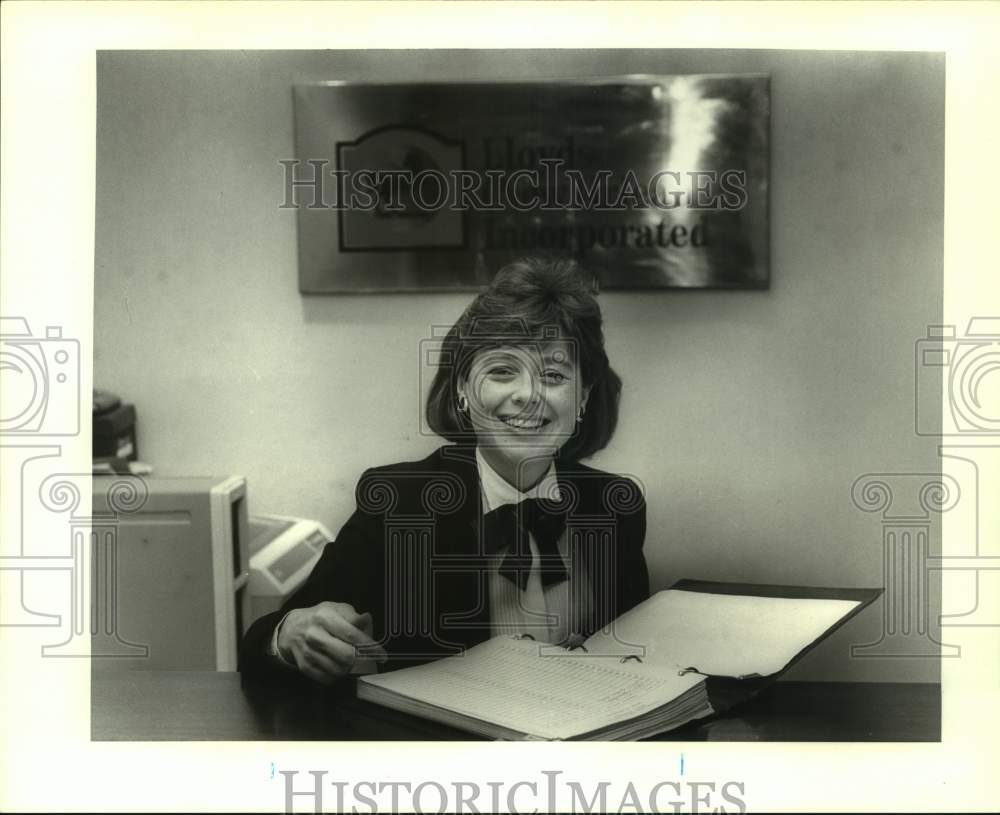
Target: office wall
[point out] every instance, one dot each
(746, 415)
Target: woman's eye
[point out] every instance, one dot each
(555, 377)
(501, 370)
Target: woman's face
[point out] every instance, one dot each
(524, 400)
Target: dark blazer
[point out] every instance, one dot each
(411, 555)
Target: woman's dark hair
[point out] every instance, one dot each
(530, 300)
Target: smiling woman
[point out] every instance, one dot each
(503, 532)
(538, 324)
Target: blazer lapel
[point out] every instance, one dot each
(591, 529)
(459, 566)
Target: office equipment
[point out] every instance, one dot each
(120, 466)
(283, 551)
(644, 674)
(113, 428)
(179, 575)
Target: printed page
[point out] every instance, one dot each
(508, 682)
(720, 634)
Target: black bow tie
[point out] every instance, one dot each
(506, 529)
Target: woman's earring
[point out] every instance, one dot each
(463, 403)
(579, 416)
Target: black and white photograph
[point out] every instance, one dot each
(446, 398)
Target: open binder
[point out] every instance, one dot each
(684, 653)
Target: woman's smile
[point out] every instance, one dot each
(523, 403)
(525, 422)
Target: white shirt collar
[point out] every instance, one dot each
(497, 492)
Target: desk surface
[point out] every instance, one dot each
(207, 706)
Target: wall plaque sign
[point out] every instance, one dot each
(649, 181)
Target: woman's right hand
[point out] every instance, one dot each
(321, 640)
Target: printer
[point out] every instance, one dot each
(283, 551)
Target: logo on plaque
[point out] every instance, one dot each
(402, 179)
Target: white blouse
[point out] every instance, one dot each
(549, 614)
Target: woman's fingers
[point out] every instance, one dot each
(319, 668)
(327, 640)
(343, 623)
(335, 632)
(317, 640)
(318, 662)
(365, 623)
